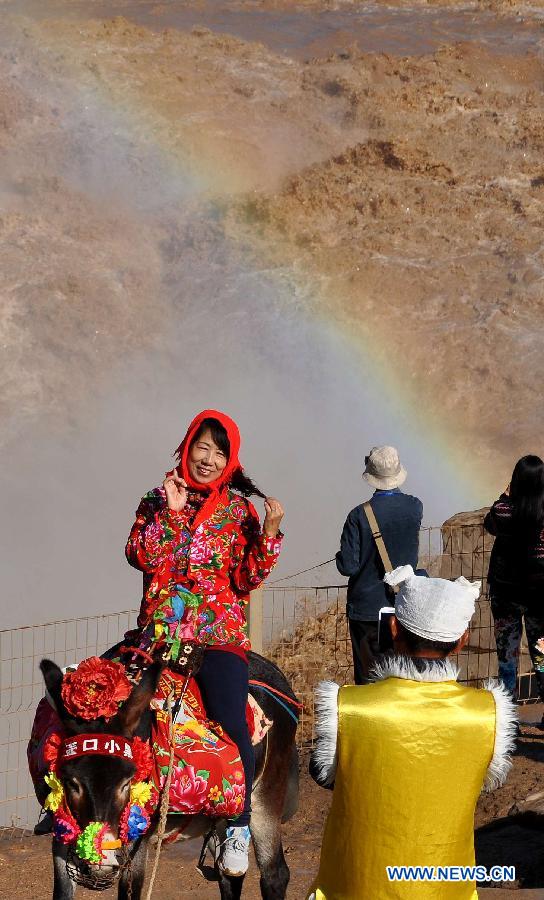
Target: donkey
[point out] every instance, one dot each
(97, 789)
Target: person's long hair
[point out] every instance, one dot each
(527, 495)
(240, 481)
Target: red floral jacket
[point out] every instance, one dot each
(197, 582)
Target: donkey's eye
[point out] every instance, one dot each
(73, 785)
(125, 787)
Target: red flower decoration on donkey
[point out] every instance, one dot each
(51, 750)
(142, 758)
(95, 689)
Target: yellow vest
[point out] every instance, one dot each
(412, 758)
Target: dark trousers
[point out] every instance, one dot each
(223, 682)
(509, 614)
(364, 643)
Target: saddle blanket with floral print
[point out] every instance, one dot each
(207, 776)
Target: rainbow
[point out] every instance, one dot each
(189, 169)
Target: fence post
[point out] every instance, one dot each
(255, 611)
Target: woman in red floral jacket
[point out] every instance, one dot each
(198, 541)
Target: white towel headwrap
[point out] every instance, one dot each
(433, 608)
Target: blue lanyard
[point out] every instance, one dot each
(384, 493)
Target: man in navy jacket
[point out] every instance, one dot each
(399, 518)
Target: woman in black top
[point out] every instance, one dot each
(516, 568)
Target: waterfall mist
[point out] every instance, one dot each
(126, 308)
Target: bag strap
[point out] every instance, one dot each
(380, 543)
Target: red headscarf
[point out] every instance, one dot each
(217, 488)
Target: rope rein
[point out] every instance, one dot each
(165, 796)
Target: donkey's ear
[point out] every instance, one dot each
(52, 676)
(139, 700)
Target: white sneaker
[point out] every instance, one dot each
(234, 859)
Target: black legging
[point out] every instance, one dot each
(223, 682)
(510, 607)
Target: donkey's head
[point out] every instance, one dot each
(95, 764)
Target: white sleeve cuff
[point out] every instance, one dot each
(506, 721)
(326, 729)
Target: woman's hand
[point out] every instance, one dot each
(176, 491)
(274, 515)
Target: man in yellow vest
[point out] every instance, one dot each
(408, 756)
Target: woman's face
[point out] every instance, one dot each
(206, 461)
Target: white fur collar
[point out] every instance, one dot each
(404, 667)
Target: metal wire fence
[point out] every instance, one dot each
(21, 687)
(304, 630)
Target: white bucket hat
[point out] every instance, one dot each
(383, 468)
(433, 608)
